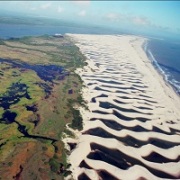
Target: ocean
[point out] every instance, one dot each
(20, 30)
(165, 55)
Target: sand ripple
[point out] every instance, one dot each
(131, 130)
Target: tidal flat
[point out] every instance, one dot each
(38, 92)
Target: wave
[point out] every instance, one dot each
(168, 77)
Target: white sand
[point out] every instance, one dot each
(122, 60)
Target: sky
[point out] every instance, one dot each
(154, 17)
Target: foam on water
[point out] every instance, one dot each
(168, 76)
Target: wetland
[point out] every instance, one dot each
(38, 91)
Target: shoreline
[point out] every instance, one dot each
(132, 52)
(165, 83)
(158, 68)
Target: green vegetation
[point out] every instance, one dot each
(77, 120)
(54, 164)
(69, 133)
(2, 42)
(37, 100)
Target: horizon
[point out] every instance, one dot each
(149, 18)
(89, 90)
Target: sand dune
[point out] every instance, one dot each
(131, 129)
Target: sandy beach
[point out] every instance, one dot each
(132, 125)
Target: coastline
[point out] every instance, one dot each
(158, 68)
(160, 91)
(156, 72)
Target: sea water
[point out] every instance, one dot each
(165, 56)
(20, 30)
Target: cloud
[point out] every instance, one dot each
(144, 21)
(60, 9)
(113, 17)
(140, 21)
(163, 28)
(45, 6)
(82, 13)
(137, 20)
(33, 8)
(82, 3)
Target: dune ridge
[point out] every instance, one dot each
(131, 129)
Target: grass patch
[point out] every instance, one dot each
(54, 100)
